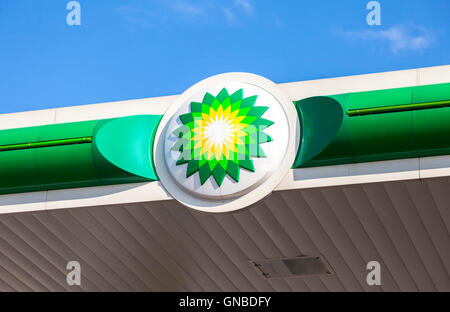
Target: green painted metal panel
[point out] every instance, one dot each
(65, 130)
(431, 93)
(379, 98)
(20, 135)
(116, 150)
(65, 166)
(382, 137)
(395, 124)
(19, 171)
(432, 126)
(432, 131)
(46, 167)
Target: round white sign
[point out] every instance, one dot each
(226, 142)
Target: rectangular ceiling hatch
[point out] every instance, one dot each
(292, 267)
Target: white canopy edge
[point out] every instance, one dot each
(405, 169)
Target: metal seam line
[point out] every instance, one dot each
(60, 142)
(397, 108)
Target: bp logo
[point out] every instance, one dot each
(226, 142)
(220, 135)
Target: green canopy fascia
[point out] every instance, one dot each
(374, 126)
(78, 154)
(336, 129)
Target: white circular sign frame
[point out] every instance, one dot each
(266, 186)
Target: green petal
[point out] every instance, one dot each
(247, 164)
(202, 161)
(186, 118)
(212, 163)
(226, 103)
(192, 167)
(263, 123)
(257, 111)
(243, 111)
(223, 163)
(237, 96)
(196, 107)
(204, 173)
(233, 170)
(249, 119)
(249, 101)
(219, 174)
(208, 98)
(223, 94)
(215, 105)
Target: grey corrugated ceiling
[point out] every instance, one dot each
(163, 246)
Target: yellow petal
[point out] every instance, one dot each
(220, 111)
(212, 113)
(206, 118)
(227, 111)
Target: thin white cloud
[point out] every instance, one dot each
(230, 16)
(137, 16)
(187, 8)
(160, 12)
(398, 37)
(238, 7)
(246, 5)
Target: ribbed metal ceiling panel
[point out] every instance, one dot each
(160, 246)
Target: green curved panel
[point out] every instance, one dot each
(324, 135)
(135, 135)
(88, 153)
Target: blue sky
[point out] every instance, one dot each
(136, 49)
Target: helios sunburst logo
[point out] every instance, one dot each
(226, 142)
(220, 135)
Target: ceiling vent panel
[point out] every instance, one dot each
(293, 267)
